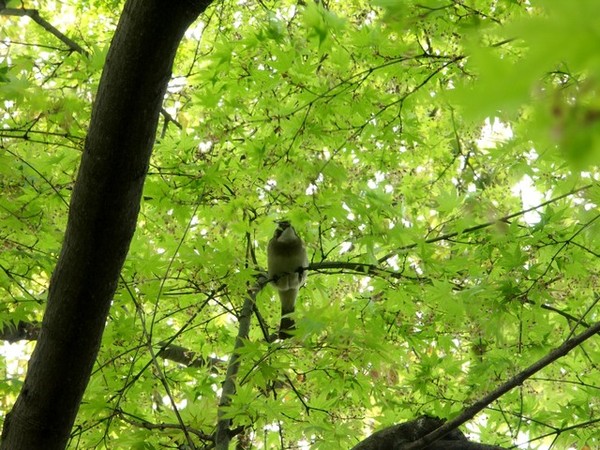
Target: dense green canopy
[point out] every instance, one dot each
(407, 141)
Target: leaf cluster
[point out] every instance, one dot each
(400, 135)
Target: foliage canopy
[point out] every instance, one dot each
(412, 137)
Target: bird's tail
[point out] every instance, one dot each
(288, 302)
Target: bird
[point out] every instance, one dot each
(287, 263)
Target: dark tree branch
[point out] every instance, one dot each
(469, 412)
(30, 331)
(428, 433)
(189, 358)
(21, 331)
(35, 16)
(362, 268)
(143, 423)
(394, 437)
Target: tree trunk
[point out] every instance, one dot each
(102, 218)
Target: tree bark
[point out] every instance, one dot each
(398, 436)
(101, 223)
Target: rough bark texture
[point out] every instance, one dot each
(397, 436)
(102, 218)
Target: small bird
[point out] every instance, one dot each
(286, 261)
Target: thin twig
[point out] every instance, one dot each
(143, 423)
(481, 226)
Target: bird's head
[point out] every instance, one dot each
(285, 232)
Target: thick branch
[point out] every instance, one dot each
(30, 331)
(517, 380)
(392, 438)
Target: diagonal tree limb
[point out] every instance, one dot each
(35, 16)
(223, 433)
(469, 412)
(481, 226)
